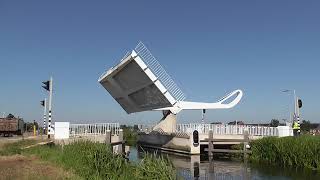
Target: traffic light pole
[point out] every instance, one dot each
(44, 116)
(50, 106)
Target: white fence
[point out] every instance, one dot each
(93, 129)
(228, 129)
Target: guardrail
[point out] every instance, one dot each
(93, 129)
(228, 129)
(159, 71)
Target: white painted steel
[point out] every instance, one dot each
(159, 71)
(93, 129)
(225, 129)
(185, 105)
(149, 73)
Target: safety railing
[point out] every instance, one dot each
(159, 71)
(93, 129)
(228, 129)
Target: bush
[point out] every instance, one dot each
(302, 152)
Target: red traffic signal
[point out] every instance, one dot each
(46, 85)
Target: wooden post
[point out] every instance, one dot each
(210, 153)
(120, 147)
(245, 143)
(108, 137)
(210, 145)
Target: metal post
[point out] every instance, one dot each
(50, 106)
(295, 103)
(44, 116)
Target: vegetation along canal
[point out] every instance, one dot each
(227, 168)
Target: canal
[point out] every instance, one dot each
(196, 167)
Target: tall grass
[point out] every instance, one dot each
(15, 147)
(301, 152)
(96, 161)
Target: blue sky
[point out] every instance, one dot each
(210, 48)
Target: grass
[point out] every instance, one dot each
(22, 167)
(300, 152)
(15, 147)
(96, 161)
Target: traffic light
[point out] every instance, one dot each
(195, 138)
(46, 85)
(299, 103)
(42, 103)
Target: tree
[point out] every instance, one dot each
(274, 123)
(10, 116)
(305, 125)
(236, 122)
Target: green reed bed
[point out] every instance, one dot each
(96, 161)
(300, 152)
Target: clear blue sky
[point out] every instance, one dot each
(209, 48)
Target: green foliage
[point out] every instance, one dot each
(130, 135)
(96, 161)
(15, 148)
(305, 126)
(300, 152)
(274, 123)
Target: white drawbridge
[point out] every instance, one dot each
(139, 83)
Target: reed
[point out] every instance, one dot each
(96, 161)
(300, 152)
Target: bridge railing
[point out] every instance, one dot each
(228, 129)
(93, 129)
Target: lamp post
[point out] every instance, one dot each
(294, 104)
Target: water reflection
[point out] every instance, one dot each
(200, 167)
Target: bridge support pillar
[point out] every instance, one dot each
(245, 143)
(210, 145)
(168, 124)
(120, 147)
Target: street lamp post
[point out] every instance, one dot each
(294, 103)
(297, 105)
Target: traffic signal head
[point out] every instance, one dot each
(42, 103)
(195, 138)
(299, 103)
(46, 85)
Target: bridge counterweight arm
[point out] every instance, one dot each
(185, 105)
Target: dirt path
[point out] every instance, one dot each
(22, 167)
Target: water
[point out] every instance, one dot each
(196, 167)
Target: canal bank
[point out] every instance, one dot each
(193, 167)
